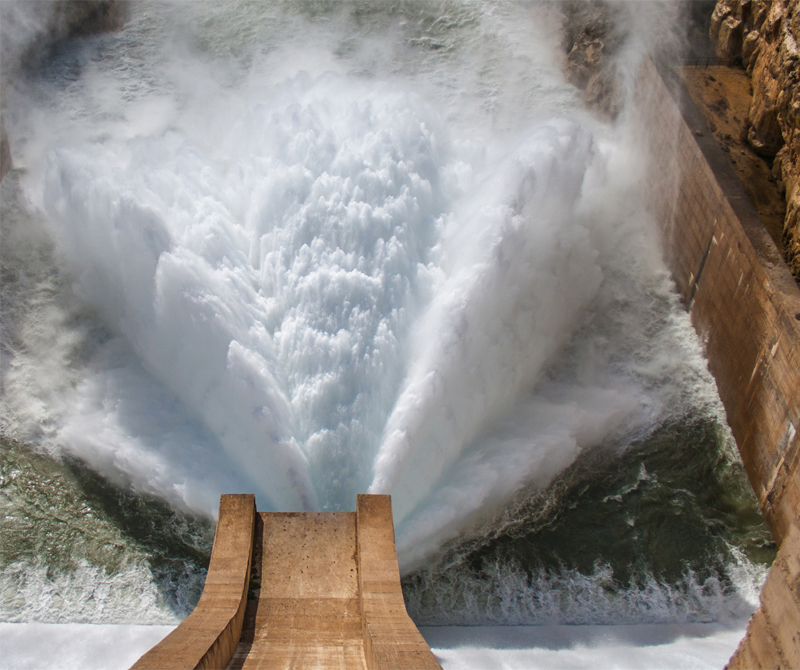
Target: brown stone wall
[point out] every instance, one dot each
(742, 299)
(745, 306)
(765, 34)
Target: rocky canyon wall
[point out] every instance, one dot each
(765, 34)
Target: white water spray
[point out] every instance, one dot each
(333, 251)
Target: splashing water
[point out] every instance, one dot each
(314, 249)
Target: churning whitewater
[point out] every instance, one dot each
(313, 249)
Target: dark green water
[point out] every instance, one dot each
(71, 534)
(667, 530)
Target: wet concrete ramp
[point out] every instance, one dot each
(299, 590)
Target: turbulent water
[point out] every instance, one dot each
(311, 249)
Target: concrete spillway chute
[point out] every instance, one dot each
(298, 590)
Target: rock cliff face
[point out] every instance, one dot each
(590, 38)
(765, 34)
(596, 33)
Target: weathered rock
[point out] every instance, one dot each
(730, 37)
(602, 92)
(751, 47)
(590, 40)
(584, 17)
(584, 60)
(790, 176)
(764, 132)
(721, 12)
(770, 51)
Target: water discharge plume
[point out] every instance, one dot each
(311, 249)
(160, 260)
(505, 306)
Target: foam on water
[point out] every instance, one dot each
(76, 548)
(576, 647)
(310, 250)
(503, 594)
(709, 646)
(41, 646)
(85, 594)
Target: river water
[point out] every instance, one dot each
(310, 249)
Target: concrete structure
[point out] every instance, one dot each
(773, 635)
(208, 637)
(326, 588)
(299, 590)
(745, 305)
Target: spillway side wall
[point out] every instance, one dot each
(742, 299)
(773, 634)
(208, 637)
(745, 306)
(391, 639)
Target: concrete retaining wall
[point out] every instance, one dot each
(745, 305)
(773, 635)
(391, 639)
(299, 590)
(208, 637)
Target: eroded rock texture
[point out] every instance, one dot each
(765, 34)
(590, 38)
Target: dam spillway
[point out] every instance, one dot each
(738, 322)
(413, 262)
(301, 589)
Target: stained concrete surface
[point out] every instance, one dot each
(745, 305)
(305, 610)
(299, 590)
